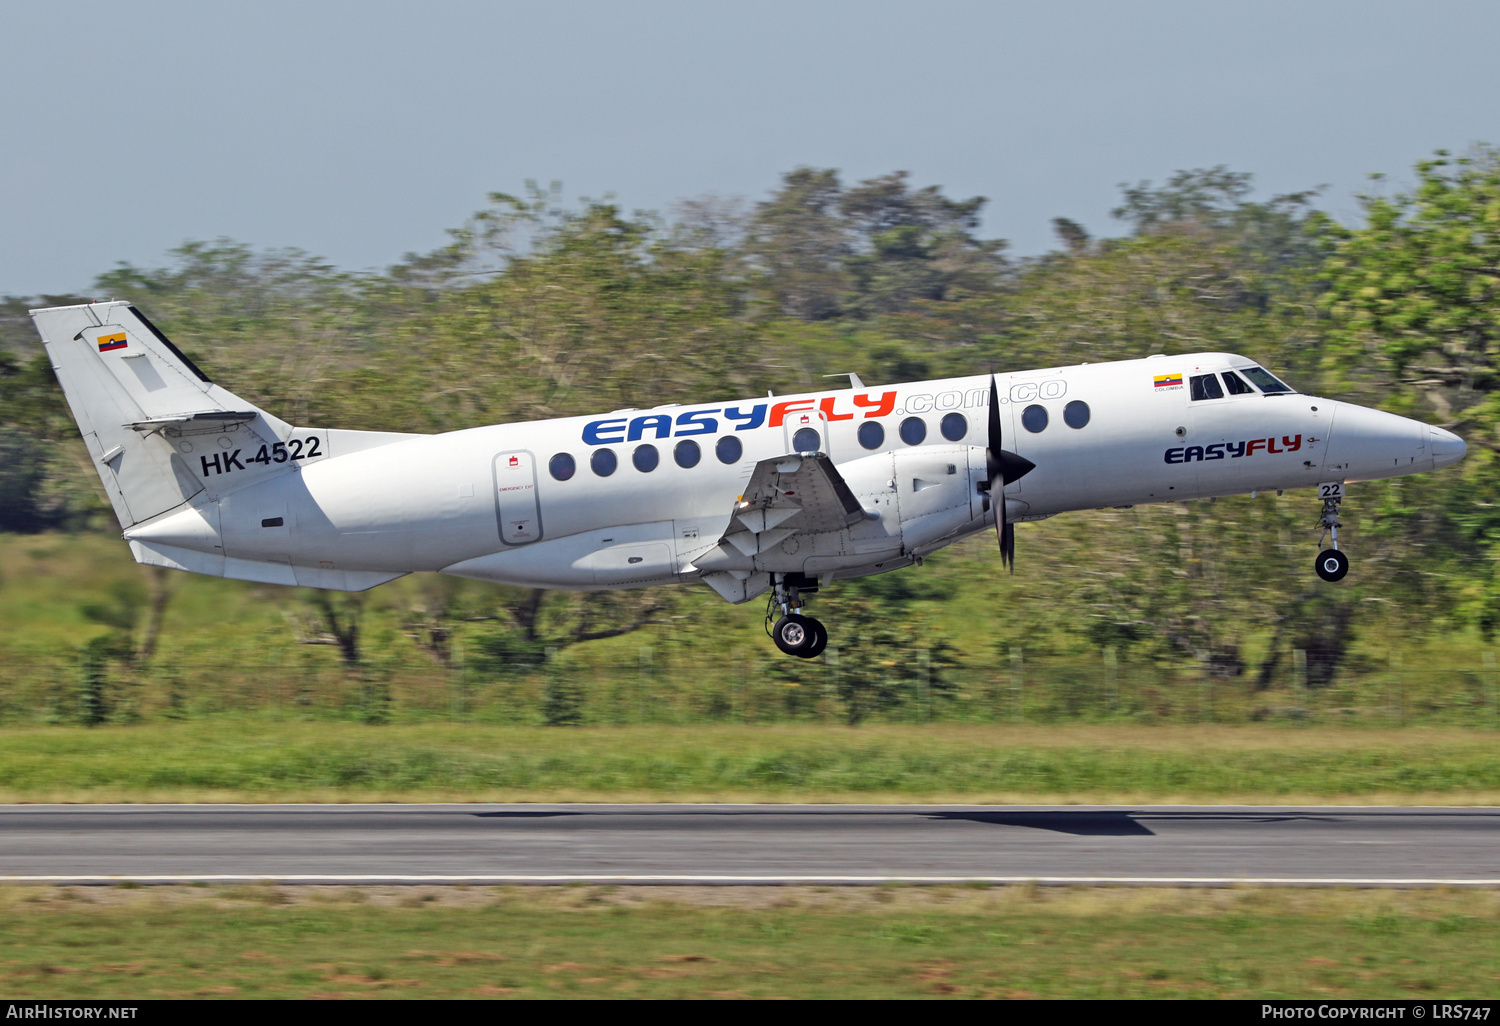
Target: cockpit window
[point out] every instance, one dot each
(1236, 384)
(1264, 380)
(1206, 386)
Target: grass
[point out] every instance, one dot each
(240, 759)
(261, 941)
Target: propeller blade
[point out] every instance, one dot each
(993, 442)
(1009, 465)
(996, 472)
(1003, 468)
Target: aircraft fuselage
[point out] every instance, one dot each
(635, 498)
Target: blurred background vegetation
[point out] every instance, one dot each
(538, 308)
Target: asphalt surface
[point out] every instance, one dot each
(703, 844)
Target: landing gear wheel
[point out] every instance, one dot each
(821, 642)
(798, 635)
(1332, 565)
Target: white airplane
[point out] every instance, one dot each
(781, 494)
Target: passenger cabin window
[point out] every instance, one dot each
(1034, 419)
(562, 466)
(645, 458)
(871, 434)
(1265, 381)
(1206, 386)
(603, 462)
(954, 426)
(913, 430)
(805, 440)
(728, 449)
(687, 454)
(1236, 384)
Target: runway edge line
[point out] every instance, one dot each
(679, 880)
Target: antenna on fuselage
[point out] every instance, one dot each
(854, 381)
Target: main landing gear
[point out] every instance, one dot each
(794, 634)
(1331, 564)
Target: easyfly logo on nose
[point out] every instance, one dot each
(1233, 450)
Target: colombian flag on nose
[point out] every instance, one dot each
(1160, 380)
(115, 341)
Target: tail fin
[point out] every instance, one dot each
(143, 407)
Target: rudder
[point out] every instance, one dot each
(142, 406)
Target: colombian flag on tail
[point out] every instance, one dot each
(115, 341)
(1161, 380)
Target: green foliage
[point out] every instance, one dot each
(879, 248)
(1417, 284)
(93, 680)
(36, 434)
(119, 611)
(1413, 301)
(23, 470)
(562, 700)
(885, 656)
(502, 652)
(538, 308)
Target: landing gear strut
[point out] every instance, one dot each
(1331, 564)
(794, 634)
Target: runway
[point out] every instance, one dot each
(750, 844)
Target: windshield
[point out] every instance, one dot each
(1206, 386)
(1264, 380)
(1236, 384)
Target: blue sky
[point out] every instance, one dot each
(360, 131)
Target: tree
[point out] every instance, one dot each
(1413, 300)
(1417, 288)
(23, 471)
(886, 655)
(878, 248)
(800, 243)
(1274, 241)
(914, 246)
(1073, 236)
(334, 618)
(538, 624)
(119, 612)
(37, 436)
(1208, 195)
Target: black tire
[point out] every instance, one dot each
(821, 642)
(1332, 565)
(796, 635)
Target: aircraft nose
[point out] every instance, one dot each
(1367, 444)
(1446, 447)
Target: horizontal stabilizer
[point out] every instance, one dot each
(214, 418)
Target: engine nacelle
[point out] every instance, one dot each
(911, 497)
(944, 495)
(912, 500)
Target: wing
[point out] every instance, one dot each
(787, 495)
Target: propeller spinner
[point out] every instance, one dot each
(1004, 467)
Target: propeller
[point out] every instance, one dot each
(1003, 467)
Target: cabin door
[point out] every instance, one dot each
(515, 497)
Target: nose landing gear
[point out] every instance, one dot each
(1331, 563)
(795, 634)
